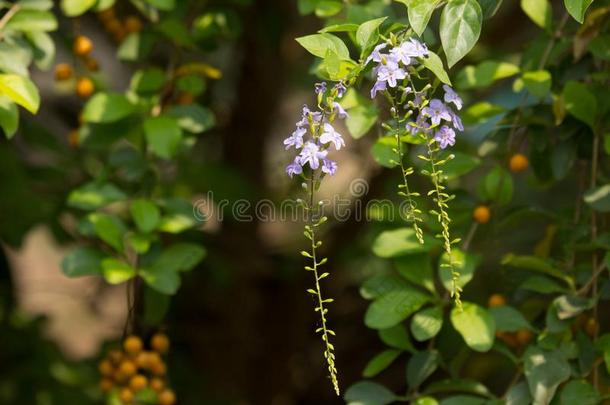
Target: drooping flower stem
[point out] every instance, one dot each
(310, 233)
(442, 198)
(413, 213)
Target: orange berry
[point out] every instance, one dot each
(159, 368)
(592, 327)
(496, 300)
(481, 214)
(106, 385)
(105, 368)
(160, 342)
(63, 71)
(167, 397)
(518, 163)
(82, 46)
(509, 338)
(73, 138)
(127, 368)
(107, 14)
(92, 64)
(113, 26)
(126, 395)
(143, 360)
(157, 384)
(84, 87)
(524, 336)
(186, 98)
(133, 24)
(153, 359)
(138, 382)
(132, 345)
(115, 356)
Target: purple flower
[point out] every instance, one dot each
(414, 49)
(329, 166)
(341, 89)
(379, 86)
(457, 121)
(294, 168)
(311, 154)
(445, 136)
(452, 97)
(390, 73)
(341, 113)
(320, 88)
(437, 111)
(376, 56)
(399, 54)
(330, 135)
(296, 139)
(419, 126)
(306, 113)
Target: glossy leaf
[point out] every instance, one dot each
(21, 90)
(380, 362)
(460, 28)
(577, 8)
(394, 307)
(427, 323)
(476, 326)
(107, 107)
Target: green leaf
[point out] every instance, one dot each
(537, 82)
(434, 64)
(162, 4)
(394, 307)
(460, 28)
(193, 117)
(82, 262)
(148, 81)
(139, 242)
(36, 4)
(21, 90)
(600, 47)
(539, 11)
(427, 323)
(163, 135)
(603, 345)
(396, 337)
(319, 45)
(466, 264)
(544, 371)
(497, 186)
(164, 280)
(368, 393)
(136, 46)
(43, 48)
(380, 284)
(398, 242)
(380, 362)
(519, 394)
(508, 319)
(484, 74)
(117, 271)
(145, 214)
(384, 151)
(460, 165)
(9, 117)
(349, 27)
(328, 8)
(421, 366)
(361, 119)
(175, 30)
(15, 57)
(419, 12)
(458, 385)
(476, 326)
(490, 7)
(107, 107)
(542, 285)
(577, 8)
(180, 257)
(367, 34)
(533, 263)
(579, 392)
(109, 228)
(569, 306)
(95, 195)
(580, 102)
(73, 8)
(598, 198)
(155, 306)
(417, 269)
(335, 68)
(32, 20)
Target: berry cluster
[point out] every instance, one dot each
(134, 369)
(82, 48)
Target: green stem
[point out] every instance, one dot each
(412, 214)
(329, 354)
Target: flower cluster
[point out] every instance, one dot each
(435, 117)
(313, 149)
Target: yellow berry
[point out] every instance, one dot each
(496, 300)
(63, 71)
(84, 87)
(138, 382)
(132, 345)
(105, 368)
(167, 397)
(126, 395)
